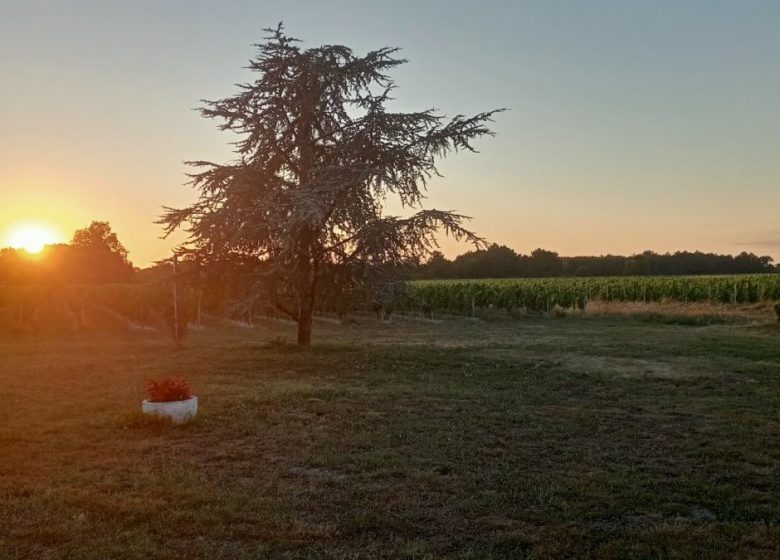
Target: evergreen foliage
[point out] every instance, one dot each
(319, 154)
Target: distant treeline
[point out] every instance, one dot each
(94, 256)
(63, 264)
(499, 261)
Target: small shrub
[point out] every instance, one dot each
(559, 312)
(168, 389)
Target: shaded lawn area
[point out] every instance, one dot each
(535, 438)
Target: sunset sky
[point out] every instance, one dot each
(633, 125)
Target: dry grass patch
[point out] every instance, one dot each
(671, 312)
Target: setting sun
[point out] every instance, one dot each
(32, 238)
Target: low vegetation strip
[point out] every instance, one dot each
(35, 308)
(544, 294)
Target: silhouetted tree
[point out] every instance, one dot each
(319, 153)
(437, 266)
(97, 256)
(99, 236)
(542, 264)
(496, 261)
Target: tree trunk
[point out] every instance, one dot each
(200, 301)
(307, 289)
(304, 326)
(306, 268)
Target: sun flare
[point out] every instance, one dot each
(32, 238)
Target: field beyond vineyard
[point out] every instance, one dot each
(38, 308)
(578, 437)
(545, 294)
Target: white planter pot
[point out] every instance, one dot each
(178, 411)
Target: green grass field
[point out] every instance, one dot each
(577, 437)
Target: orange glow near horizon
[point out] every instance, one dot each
(32, 238)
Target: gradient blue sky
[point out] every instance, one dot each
(633, 125)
